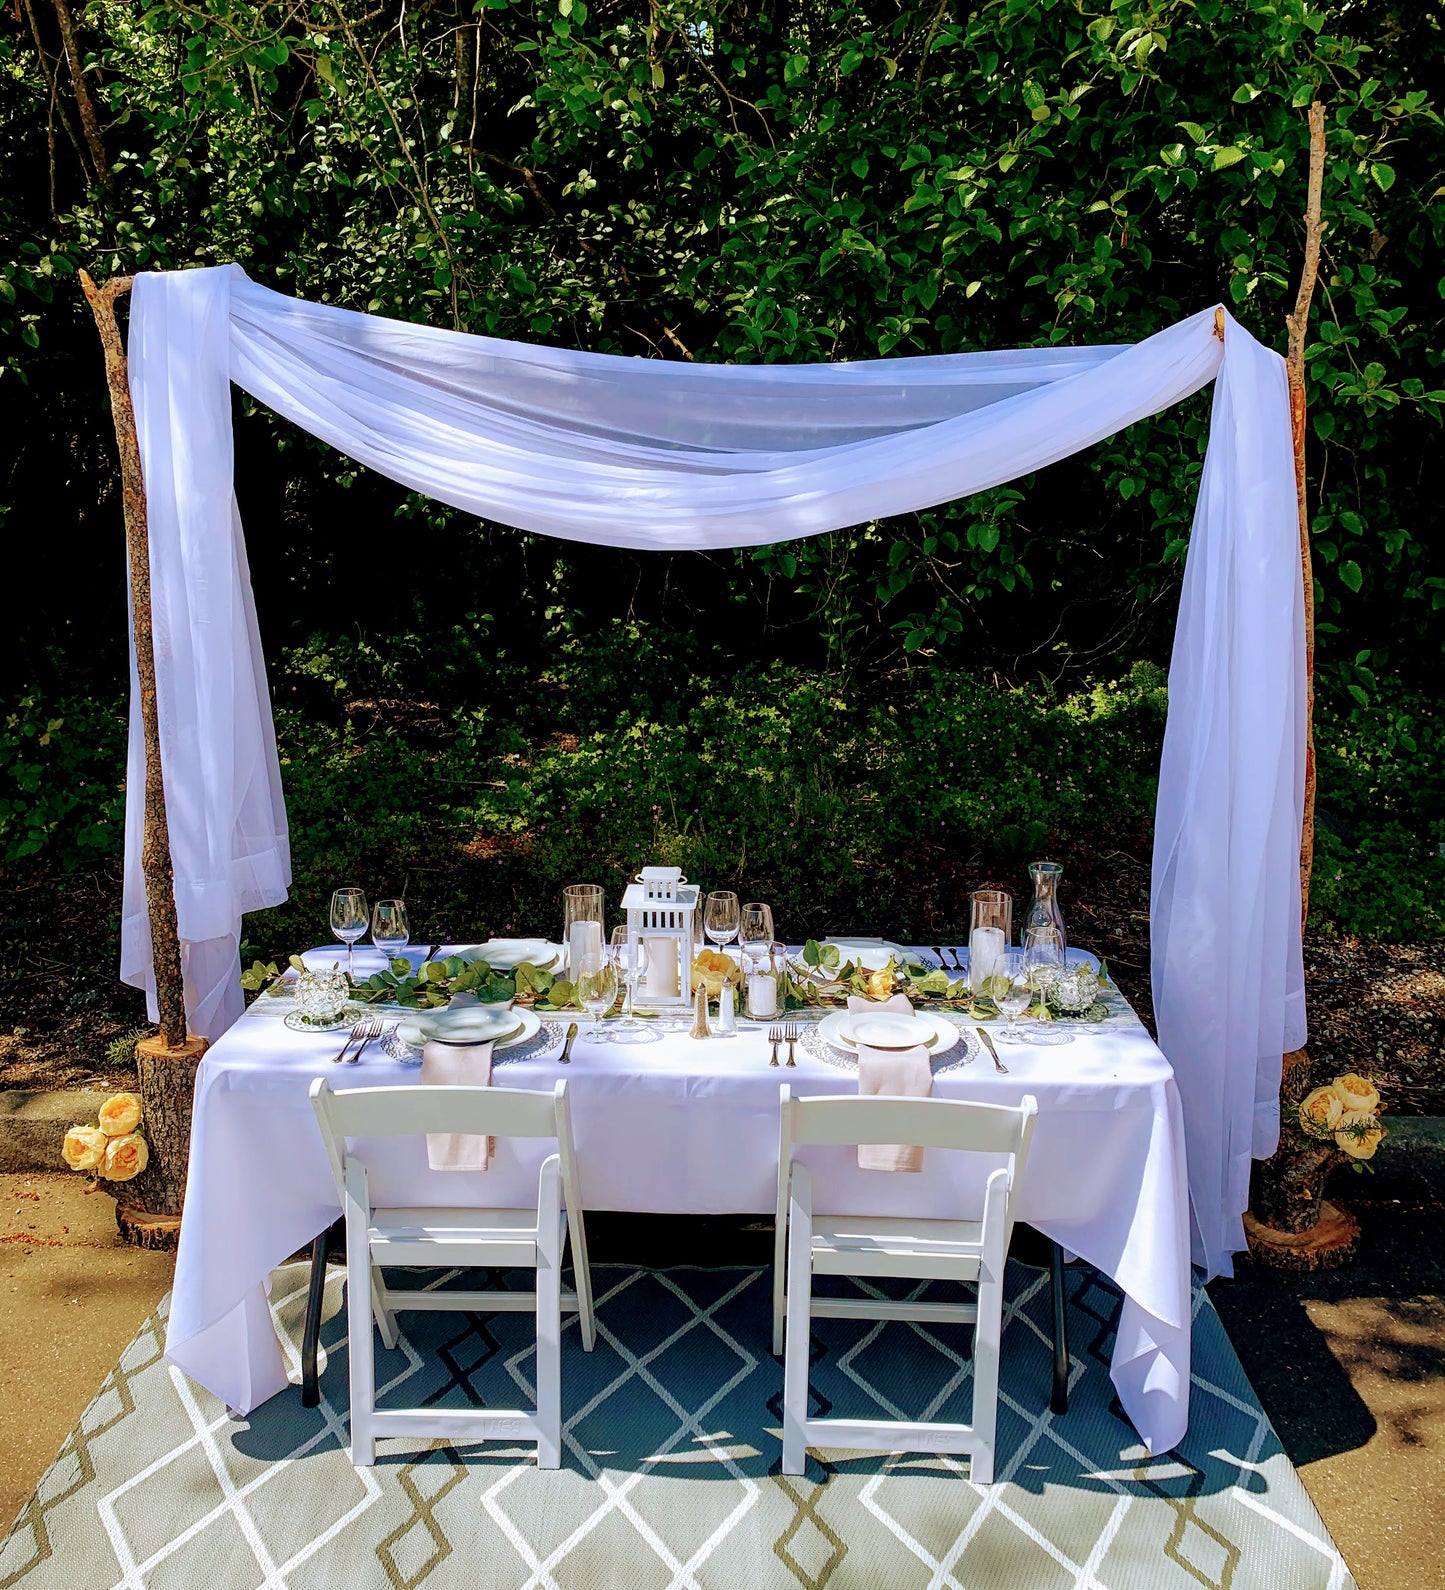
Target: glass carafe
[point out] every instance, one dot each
(1044, 911)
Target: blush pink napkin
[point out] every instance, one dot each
(457, 1065)
(899, 1073)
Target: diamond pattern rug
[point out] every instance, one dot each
(670, 1474)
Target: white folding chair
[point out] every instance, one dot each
(971, 1251)
(457, 1237)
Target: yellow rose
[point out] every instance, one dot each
(711, 969)
(120, 1115)
(84, 1147)
(1357, 1094)
(125, 1157)
(1320, 1113)
(880, 984)
(1359, 1134)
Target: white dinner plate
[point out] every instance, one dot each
(873, 954)
(942, 1034)
(504, 954)
(885, 1029)
(494, 1024)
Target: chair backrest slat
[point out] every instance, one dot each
(406, 1111)
(926, 1123)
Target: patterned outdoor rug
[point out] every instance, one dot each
(671, 1475)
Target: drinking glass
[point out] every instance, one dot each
(756, 931)
(595, 982)
(1012, 992)
(720, 917)
(990, 931)
(389, 930)
(630, 959)
(349, 919)
(581, 921)
(1044, 959)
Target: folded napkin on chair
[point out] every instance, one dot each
(900, 1073)
(457, 1065)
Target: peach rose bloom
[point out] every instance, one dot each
(1370, 1133)
(84, 1147)
(1357, 1094)
(712, 969)
(120, 1115)
(1320, 1112)
(125, 1157)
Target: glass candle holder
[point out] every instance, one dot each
(321, 997)
(1074, 988)
(989, 934)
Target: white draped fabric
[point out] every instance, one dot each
(650, 454)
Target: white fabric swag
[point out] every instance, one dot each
(649, 454)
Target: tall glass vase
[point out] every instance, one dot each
(1044, 912)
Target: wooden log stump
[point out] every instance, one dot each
(148, 1208)
(1331, 1241)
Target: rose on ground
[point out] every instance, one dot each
(120, 1115)
(84, 1147)
(1320, 1112)
(1358, 1094)
(1359, 1134)
(125, 1157)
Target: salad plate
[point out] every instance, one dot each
(932, 1032)
(495, 1024)
(504, 955)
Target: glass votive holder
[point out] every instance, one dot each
(321, 997)
(1074, 989)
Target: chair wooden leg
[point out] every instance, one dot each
(549, 1324)
(311, 1332)
(360, 1351)
(1059, 1398)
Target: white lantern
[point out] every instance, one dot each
(660, 905)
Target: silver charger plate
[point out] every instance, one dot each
(547, 1036)
(968, 1049)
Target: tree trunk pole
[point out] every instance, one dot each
(1294, 1234)
(156, 845)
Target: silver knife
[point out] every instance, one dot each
(988, 1044)
(566, 1056)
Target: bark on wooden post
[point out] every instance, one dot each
(1289, 1225)
(148, 1209)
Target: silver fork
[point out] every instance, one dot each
(790, 1037)
(374, 1029)
(775, 1037)
(358, 1030)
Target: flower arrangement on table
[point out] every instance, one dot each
(1347, 1111)
(113, 1148)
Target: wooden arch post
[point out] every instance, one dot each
(1289, 1225)
(148, 1209)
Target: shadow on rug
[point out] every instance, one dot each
(670, 1473)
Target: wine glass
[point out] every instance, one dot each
(595, 982)
(1012, 992)
(630, 959)
(1044, 958)
(756, 931)
(720, 917)
(389, 930)
(349, 920)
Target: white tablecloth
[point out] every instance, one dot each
(681, 1127)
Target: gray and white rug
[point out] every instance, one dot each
(670, 1474)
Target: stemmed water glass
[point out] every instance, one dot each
(720, 917)
(1044, 958)
(595, 984)
(389, 930)
(629, 956)
(755, 932)
(1012, 993)
(349, 920)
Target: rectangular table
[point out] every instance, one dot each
(682, 1127)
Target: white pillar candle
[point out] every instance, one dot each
(762, 996)
(584, 938)
(985, 951)
(661, 980)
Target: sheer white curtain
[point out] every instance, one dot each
(648, 454)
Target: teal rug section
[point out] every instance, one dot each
(670, 1478)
